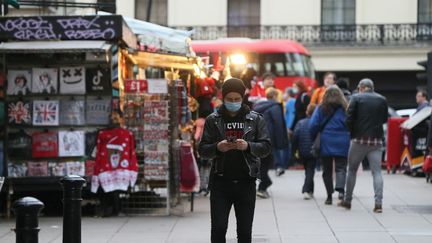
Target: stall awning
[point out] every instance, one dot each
(146, 59)
(54, 46)
(417, 118)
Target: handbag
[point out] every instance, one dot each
(427, 164)
(316, 146)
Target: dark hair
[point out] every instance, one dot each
(423, 92)
(342, 83)
(330, 73)
(333, 98)
(21, 77)
(301, 85)
(267, 75)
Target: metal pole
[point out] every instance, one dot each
(72, 187)
(27, 225)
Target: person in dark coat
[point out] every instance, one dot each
(328, 119)
(302, 143)
(302, 101)
(274, 117)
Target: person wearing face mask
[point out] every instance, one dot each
(318, 94)
(235, 139)
(301, 103)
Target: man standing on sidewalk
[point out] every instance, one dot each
(235, 139)
(367, 112)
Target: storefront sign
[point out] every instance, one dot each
(62, 28)
(157, 86)
(136, 86)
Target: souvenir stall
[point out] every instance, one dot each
(415, 131)
(61, 90)
(154, 98)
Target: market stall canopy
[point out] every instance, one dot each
(160, 38)
(146, 59)
(417, 118)
(54, 46)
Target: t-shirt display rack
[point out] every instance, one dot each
(45, 133)
(148, 116)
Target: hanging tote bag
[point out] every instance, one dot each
(316, 146)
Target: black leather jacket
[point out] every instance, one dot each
(255, 133)
(367, 112)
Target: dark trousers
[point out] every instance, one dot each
(266, 163)
(225, 194)
(341, 171)
(309, 166)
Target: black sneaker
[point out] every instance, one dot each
(341, 196)
(280, 172)
(329, 201)
(344, 204)
(378, 208)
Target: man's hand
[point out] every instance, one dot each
(225, 146)
(241, 144)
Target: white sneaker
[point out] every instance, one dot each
(307, 196)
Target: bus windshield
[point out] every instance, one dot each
(286, 64)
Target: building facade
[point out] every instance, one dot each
(382, 40)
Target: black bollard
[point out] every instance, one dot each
(72, 187)
(26, 212)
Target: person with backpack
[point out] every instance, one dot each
(328, 120)
(302, 142)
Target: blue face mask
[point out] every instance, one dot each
(233, 106)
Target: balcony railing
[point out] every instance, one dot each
(371, 34)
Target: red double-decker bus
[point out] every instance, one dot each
(288, 60)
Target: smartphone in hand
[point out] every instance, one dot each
(231, 139)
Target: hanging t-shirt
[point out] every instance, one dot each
(37, 168)
(72, 80)
(19, 113)
(45, 145)
(98, 80)
(98, 110)
(45, 113)
(19, 82)
(16, 169)
(19, 145)
(57, 169)
(44, 80)
(71, 143)
(75, 168)
(72, 112)
(90, 144)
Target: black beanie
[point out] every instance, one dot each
(233, 85)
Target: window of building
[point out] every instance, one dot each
(243, 12)
(244, 18)
(157, 9)
(425, 11)
(337, 12)
(107, 6)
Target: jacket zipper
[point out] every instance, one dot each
(244, 156)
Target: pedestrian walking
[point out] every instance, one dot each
(343, 84)
(302, 101)
(302, 144)
(329, 121)
(290, 100)
(257, 93)
(421, 99)
(235, 139)
(367, 112)
(273, 115)
(318, 94)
